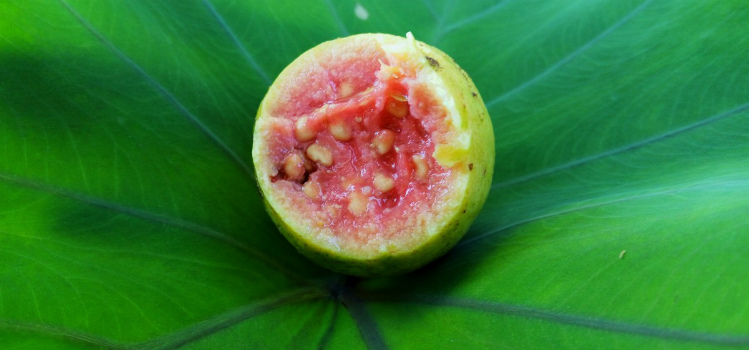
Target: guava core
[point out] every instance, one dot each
(374, 153)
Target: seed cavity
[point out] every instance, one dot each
(294, 167)
(383, 141)
(320, 154)
(420, 166)
(340, 130)
(309, 165)
(383, 183)
(302, 131)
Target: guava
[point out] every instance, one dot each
(373, 153)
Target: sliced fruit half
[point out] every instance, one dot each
(374, 153)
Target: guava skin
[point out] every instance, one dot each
(479, 163)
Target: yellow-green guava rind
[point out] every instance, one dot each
(479, 163)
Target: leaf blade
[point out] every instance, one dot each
(127, 212)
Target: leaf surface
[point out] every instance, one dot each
(129, 216)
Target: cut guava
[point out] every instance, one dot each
(373, 153)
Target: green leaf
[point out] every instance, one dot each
(129, 217)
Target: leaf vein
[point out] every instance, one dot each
(630, 147)
(177, 339)
(594, 205)
(245, 53)
(571, 56)
(169, 96)
(157, 218)
(449, 28)
(367, 326)
(337, 18)
(329, 330)
(57, 332)
(571, 319)
(203, 329)
(430, 7)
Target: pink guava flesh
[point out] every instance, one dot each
(352, 145)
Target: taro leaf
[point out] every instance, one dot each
(129, 218)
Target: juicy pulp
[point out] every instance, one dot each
(361, 163)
